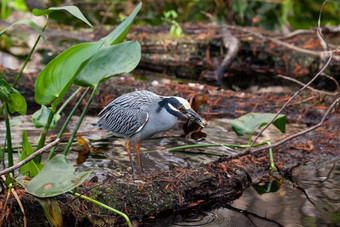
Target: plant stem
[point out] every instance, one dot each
(205, 145)
(105, 206)
(43, 135)
(30, 54)
(210, 145)
(68, 100)
(75, 130)
(272, 164)
(249, 139)
(8, 138)
(50, 155)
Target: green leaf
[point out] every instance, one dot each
(57, 177)
(109, 61)
(52, 211)
(57, 77)
(5, 91)
(10, 180)
(26, 22)
(253, 121)
(16, 102)
(40, 117)
(120, 32)
(20, 5)
(74, 10)
(27, 150)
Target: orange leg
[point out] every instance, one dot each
(140, 163)
(128, 148)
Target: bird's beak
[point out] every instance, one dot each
(197, 118)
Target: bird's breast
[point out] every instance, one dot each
(158, 122)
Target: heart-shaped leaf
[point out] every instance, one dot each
(57, 177)
(26, 22)
(109, 61)
(74, 10)
(57, 77)
(120, 32)
(40, 117)
(253, 121)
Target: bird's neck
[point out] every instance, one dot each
(165, 104)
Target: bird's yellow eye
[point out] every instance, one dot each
(180, 108)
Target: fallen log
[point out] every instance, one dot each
(163, 193)
(199, 52)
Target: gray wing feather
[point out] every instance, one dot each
(127, 114)
(122, 121)
(136, 99)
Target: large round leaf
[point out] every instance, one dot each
(56, 78)
(57, 177)
(110, 61)
(253, 121)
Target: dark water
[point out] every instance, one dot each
(288, 207)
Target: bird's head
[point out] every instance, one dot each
(180, 107)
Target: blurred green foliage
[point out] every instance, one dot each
(7, 6)
(267, 14)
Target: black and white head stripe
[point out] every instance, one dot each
(174, 103)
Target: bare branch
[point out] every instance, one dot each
(35, 154)
(332, 78)
(320, 54)
(296, 93)
(20, 205)
(247, 151)
(308, 87)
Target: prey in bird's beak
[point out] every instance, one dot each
(193, 116)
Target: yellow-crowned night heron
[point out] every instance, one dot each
(141, 114)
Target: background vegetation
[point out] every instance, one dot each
(268, 14)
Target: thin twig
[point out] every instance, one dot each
(279, 42)
(296, 93)
(336, 101)
(20, 205)
(246, 152)
(32, 156)
(332, 78)
(5, 207)
(303, 100)
(308, 87)
(304, 87)
(295, 33)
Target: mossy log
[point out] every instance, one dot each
(165, 193)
